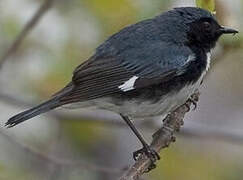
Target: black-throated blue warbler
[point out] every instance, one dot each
(147, 69)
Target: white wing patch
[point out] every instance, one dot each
(128, 85)
(190, 58)
(208, 61)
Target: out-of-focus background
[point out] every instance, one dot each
(94, 145)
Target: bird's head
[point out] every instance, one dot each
(195, 27)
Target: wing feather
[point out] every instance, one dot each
(103, 76)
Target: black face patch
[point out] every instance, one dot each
(204, 33)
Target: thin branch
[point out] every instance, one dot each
(161, 139)
(26, 30)
(58, 161)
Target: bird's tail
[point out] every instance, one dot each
(54, 102)
(42, 108)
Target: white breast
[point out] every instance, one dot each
(208, 61)
(142, 109)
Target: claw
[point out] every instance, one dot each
(188, 107)
(151, 167)
(150, 153)
(193, 102)
(137, 154)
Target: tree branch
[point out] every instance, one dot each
(25, 31)
(161, 139)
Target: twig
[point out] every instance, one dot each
(25, 31)
(161, 139)
(58, 161)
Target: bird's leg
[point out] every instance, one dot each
(150, 153)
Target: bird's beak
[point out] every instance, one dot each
(226, 30)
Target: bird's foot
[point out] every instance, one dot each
(150, 153)
(192, 100)
(194, 103)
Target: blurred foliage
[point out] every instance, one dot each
(15, 173)
(113, 14)
(206, 4)
(189, 164)
(10, 28)
(83, 134)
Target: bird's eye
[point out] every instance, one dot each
(207, 26)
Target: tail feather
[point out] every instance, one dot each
(53, 103)
(42, 108)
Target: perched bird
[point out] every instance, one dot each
(147, 69)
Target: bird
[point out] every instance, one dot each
(145, 70)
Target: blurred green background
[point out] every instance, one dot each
(79, 142)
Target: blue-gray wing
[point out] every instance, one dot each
(134, 68)
(156, 59)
